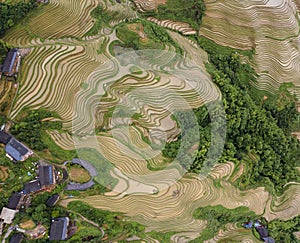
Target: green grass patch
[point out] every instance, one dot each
(55, 153)
(86, 233)
(188, 11)
(156, 37)
(282, 231)
(78, 174)
(103, 166)
(29, 127)
(135, 70)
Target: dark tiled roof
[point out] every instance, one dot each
(4, 137)
(13, 153)
(58, 230)
(52, 200)
(16, 238)
(9, 61)
(32, 186)
(21, 148)
(14, 200)
(46, 175)
(16, 149)
(263, 232)
(269, 240)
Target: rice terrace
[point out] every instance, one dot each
(150, 121)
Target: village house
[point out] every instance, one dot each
(263, 233)
(47, 177)
(16, 238)
(261, 230)
(52, 201)
(59, 228)
(6, 217)
(17, 151)
(11, 63)
(4, 137)
(46, 180)
(16, 201)
(19, 200)
(32, 187)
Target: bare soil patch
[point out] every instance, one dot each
(29, 224)
(79, 175)
(139, 29)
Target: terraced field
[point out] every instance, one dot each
(55, 20)
(285, 207)
(3, 173)
(181, 27)
(48, 79)
(158, 211)
(140, 92)
(271, 27)
(233, 232)
(143, 5)
(121, 12)
(126, 115)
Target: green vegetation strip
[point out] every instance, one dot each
(114, 224)
(156, 36)
(218, 216)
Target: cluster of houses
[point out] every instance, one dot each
(46, 180)
(261, 230)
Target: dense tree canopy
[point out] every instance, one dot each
(30, 128)
(252, 129)
(283, 231)
(4, 48)
(10, 14)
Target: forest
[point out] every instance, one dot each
(254, 128)
(282, 231)
(101, 17)
(4, 48)
(30, 128)
(10, 15)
